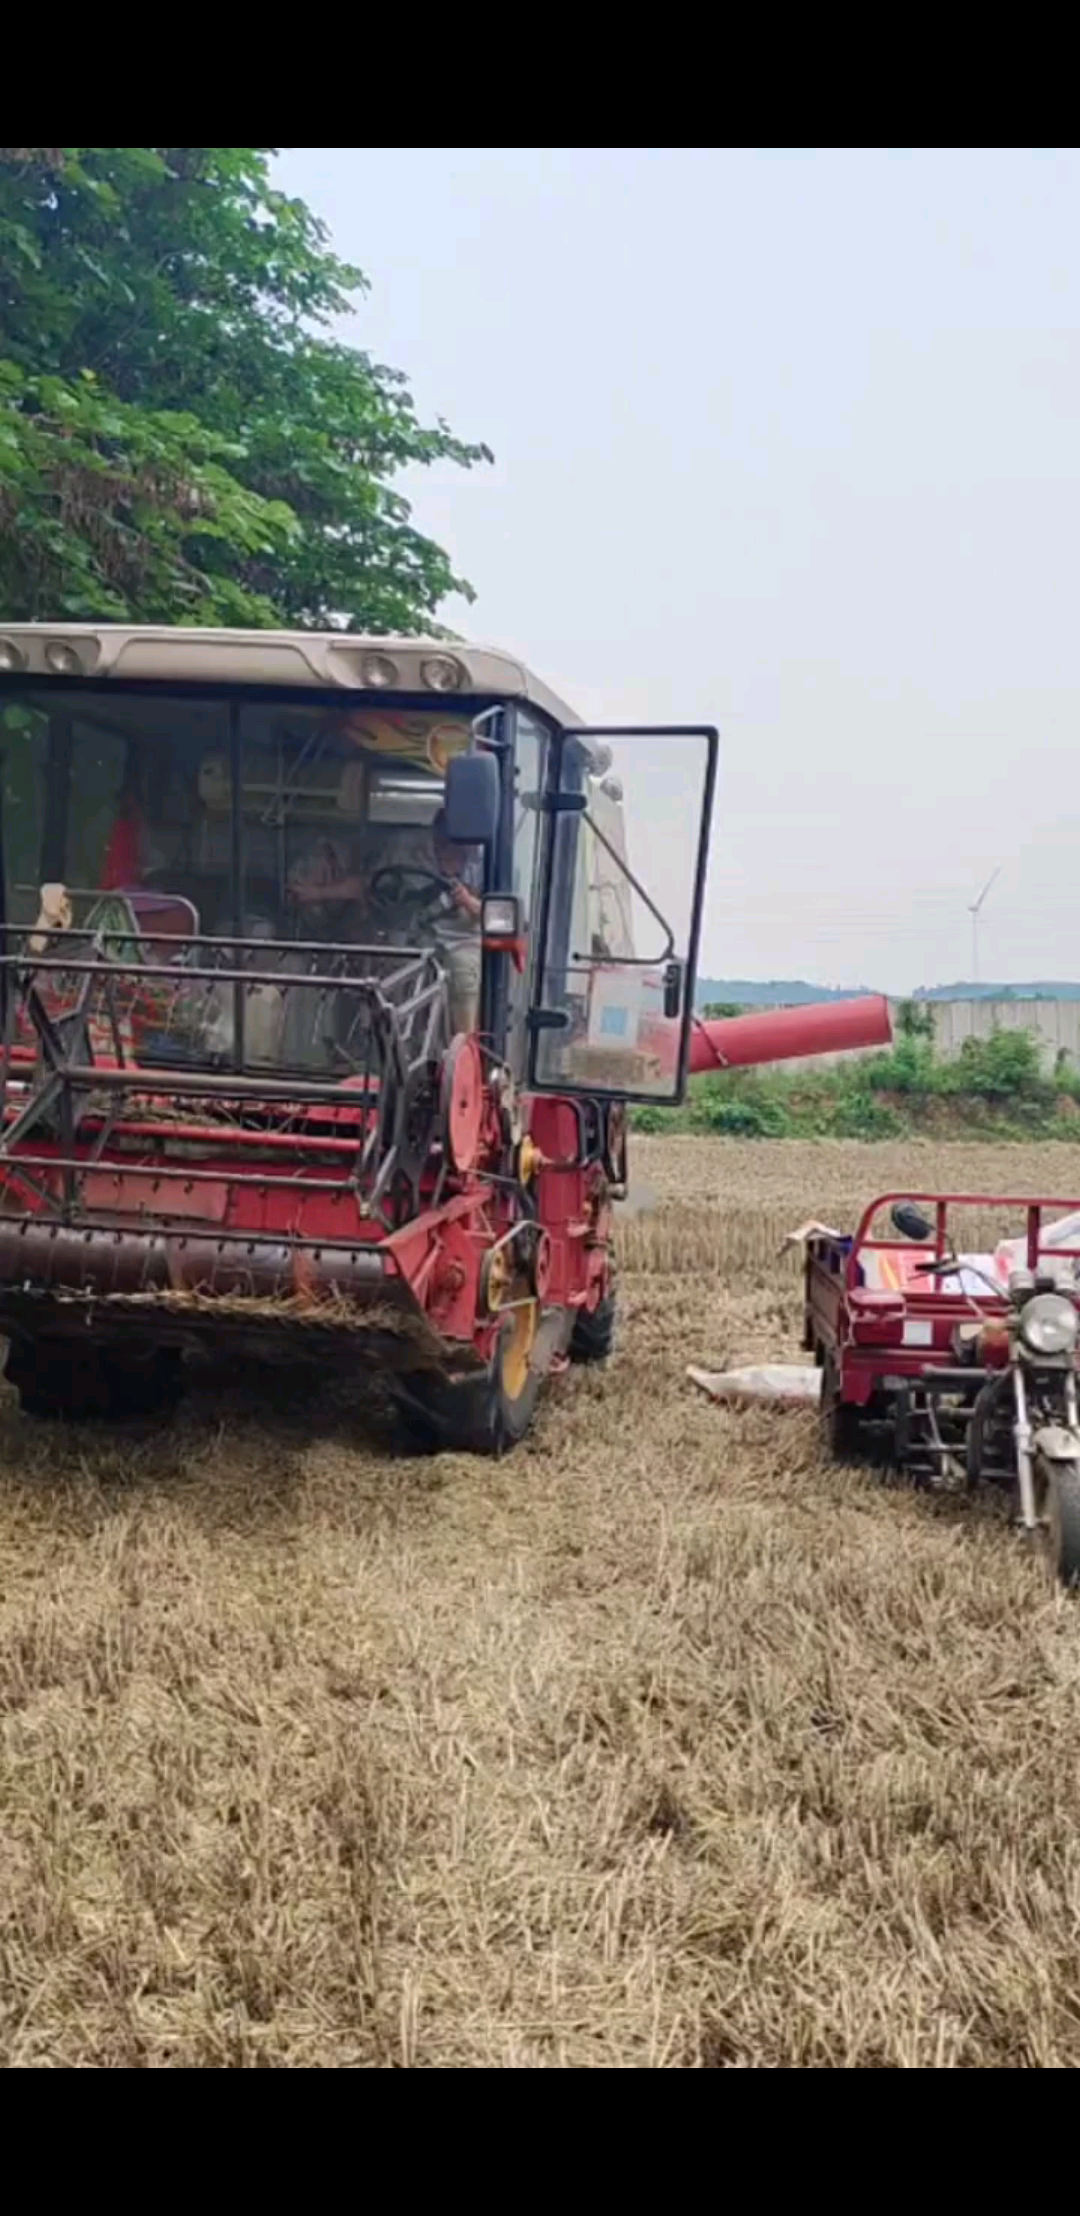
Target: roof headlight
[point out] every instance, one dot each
(62, 659)
(379, 672)
(442, 673)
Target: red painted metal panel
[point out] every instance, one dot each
(111, 1193)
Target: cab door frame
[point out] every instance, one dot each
(551, 950)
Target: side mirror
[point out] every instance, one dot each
(910, 1221)
(471, 799)
(673, 990)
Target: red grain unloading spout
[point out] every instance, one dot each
(786, 1034)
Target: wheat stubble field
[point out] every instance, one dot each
(658, 1745)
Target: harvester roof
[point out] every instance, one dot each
(320, 660)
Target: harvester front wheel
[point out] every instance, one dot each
(62, 1380)
(487, 1413)
(593, 1335)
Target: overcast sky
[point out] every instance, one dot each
(788, 442)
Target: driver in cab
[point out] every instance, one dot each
(457, 927)
(331, 892)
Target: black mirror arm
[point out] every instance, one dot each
(674, 980)
(669, 948)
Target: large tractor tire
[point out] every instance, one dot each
(67, 1382)
(488, 1413)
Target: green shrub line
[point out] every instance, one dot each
(995, 1088)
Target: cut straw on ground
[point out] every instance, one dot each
(661, 1744)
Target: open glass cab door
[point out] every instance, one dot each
(626, 833)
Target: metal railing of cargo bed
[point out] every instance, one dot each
(241, 1037)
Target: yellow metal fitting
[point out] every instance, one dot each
(530, 1160)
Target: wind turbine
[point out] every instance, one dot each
(973, 911)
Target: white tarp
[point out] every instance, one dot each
(799, 1384)
(1012, 1253)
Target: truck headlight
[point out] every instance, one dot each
(1049, 1324)
(501, 917)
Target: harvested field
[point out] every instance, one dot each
(659, 1744)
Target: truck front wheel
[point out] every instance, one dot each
(593, 1335)
(1060, 1489)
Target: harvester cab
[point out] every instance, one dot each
(327, 969)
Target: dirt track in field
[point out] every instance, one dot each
(659, 1744)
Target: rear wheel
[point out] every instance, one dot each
(67, 1382)
(485, 1414)
(841, 1425)
(1061, 1513)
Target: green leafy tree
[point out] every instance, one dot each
(915, 1021)
(183, 437)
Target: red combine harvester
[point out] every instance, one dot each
(325, 980)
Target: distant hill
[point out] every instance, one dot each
(778, 992)
(795, 992)
(962, 991)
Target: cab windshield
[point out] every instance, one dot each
(330, 837)
(133, 790)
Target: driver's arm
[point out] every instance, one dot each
(468, 902)
(319, 878)
(352, 887)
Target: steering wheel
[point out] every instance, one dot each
(401, 885)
